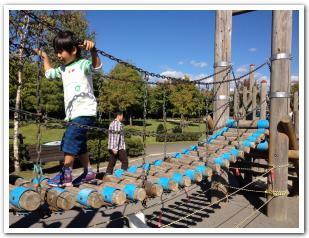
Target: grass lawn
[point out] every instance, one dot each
(52, 168)
(30, 131)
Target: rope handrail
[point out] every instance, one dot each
(220, 200)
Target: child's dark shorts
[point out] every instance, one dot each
(74, 139)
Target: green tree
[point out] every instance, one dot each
(185, 99)
(156, 96)
(23, 67)
(119, 94)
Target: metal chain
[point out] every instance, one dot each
(145, 171)
(120, 61)
(164, 120)
(38, 165)
(243, 189)
(106, 131)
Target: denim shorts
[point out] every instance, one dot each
(74, 139)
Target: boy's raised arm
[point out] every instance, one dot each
(45, 59)
(89, 45)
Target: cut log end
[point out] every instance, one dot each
(95, 200)
(186, 181)
(30, 200)
(118, 197)
(139, 194)
(173, 185)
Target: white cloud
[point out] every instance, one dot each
(199, 64)
(262, 77)
(294, 78)
(199, 76)
(175, 74)
(180, 62)
(252, 49)
(242, 69)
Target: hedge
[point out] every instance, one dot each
(177, 135)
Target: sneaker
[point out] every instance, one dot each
(85, 177)
(62, 179)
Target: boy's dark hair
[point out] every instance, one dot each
(66, 40)
(118, 112)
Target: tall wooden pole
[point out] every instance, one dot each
(254, 93)
(251, 83)
(23, 35)
(263, 103)
(245, 100)
(251, 80)
(279, 106)
(296, 113)
(236, 102)
(222, 60)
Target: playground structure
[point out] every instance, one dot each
(229, 142)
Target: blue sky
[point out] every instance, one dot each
(182, 42)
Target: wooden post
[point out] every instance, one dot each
(279, 104)
(23, 39)
(254, 93)
(296, 113)
(288, 128)
(245, 100)
(250, 92)
(263, 103)
(210, 122)
(236, 102)
(251, 80)
(222, 60)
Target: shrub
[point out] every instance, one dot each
(98, 151)
(23, 157)
(134, 146)
(193, 136)
(177, 135)
(177, 129)
(160, 130)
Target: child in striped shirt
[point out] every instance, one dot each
(80, 102)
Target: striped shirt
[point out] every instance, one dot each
(116, 140)
(79, 99)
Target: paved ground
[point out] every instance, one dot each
(169, 208)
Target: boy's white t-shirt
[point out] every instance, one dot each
(79, 99)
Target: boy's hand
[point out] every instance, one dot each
(88, 45)
(40, 53)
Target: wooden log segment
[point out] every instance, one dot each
(182, 180)
(109, 194)
(138, 194)
(152, 189)
(170, 184)
(24, 198)
(289, 130)
(86, 198)
(243, 130)
(204, 170)
(56, 198)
